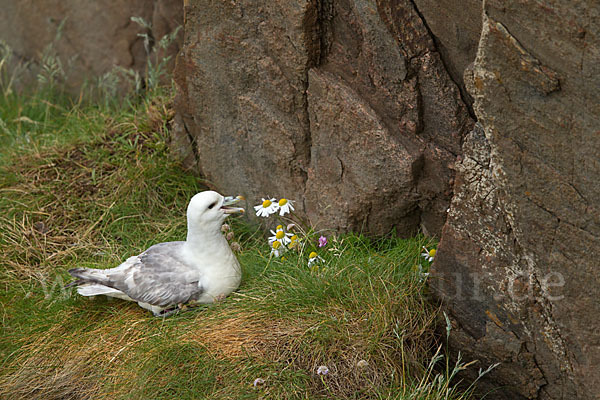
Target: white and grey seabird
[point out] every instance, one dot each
(199, 270)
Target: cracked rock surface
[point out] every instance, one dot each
(344, 105)
(517, 264)
(364, 112)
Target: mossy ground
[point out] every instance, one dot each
(87, 186)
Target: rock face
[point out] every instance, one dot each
(344, 105)
(455, 26)
(517, 264)
(96, 35)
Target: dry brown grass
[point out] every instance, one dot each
(76, 364)
(61, 197)
(243, 334)
(47, 226)
(60, 363)
(63, 363)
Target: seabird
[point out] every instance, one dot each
(200, 269)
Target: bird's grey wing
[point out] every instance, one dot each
(159, 277)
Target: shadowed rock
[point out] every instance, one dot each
(344, 105)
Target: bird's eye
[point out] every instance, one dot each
(212, 205)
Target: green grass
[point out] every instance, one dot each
(85, 185)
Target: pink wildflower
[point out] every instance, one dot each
(322, 241)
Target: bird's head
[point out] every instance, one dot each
(209, 209)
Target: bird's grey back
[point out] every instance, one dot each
(159, 276)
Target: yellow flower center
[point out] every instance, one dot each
(279, 235)
(279, 227)
(276, 245)
(432, 253)
(266, 203)
(312, 255)
(294, 238)
(282, 202)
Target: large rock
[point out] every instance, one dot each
(456, 27)
(517, 264)
(96, 35)
(343, 105)
(241, 107)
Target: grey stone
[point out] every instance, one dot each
(520, 245)
(343, 105)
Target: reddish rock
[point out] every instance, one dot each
(456, 27)
(242, 95)
(96, 35)
(343, 105)
(361, 177)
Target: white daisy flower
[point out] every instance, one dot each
(285, 206)
(313, 258)
(429, 255)
(266, 208)
(277, 249)
(281, 236)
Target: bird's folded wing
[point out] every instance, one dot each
(159, 277)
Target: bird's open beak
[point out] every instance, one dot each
(229, 201)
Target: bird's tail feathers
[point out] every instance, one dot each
(76, 282)
(96, 289)
(87, 275)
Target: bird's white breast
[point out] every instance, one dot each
(218, 270)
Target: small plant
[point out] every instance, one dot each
(156, 66)
(442, 385)
(295, 237)
(423, 270)
(107, 85)
(10, 71)
(53, 72)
